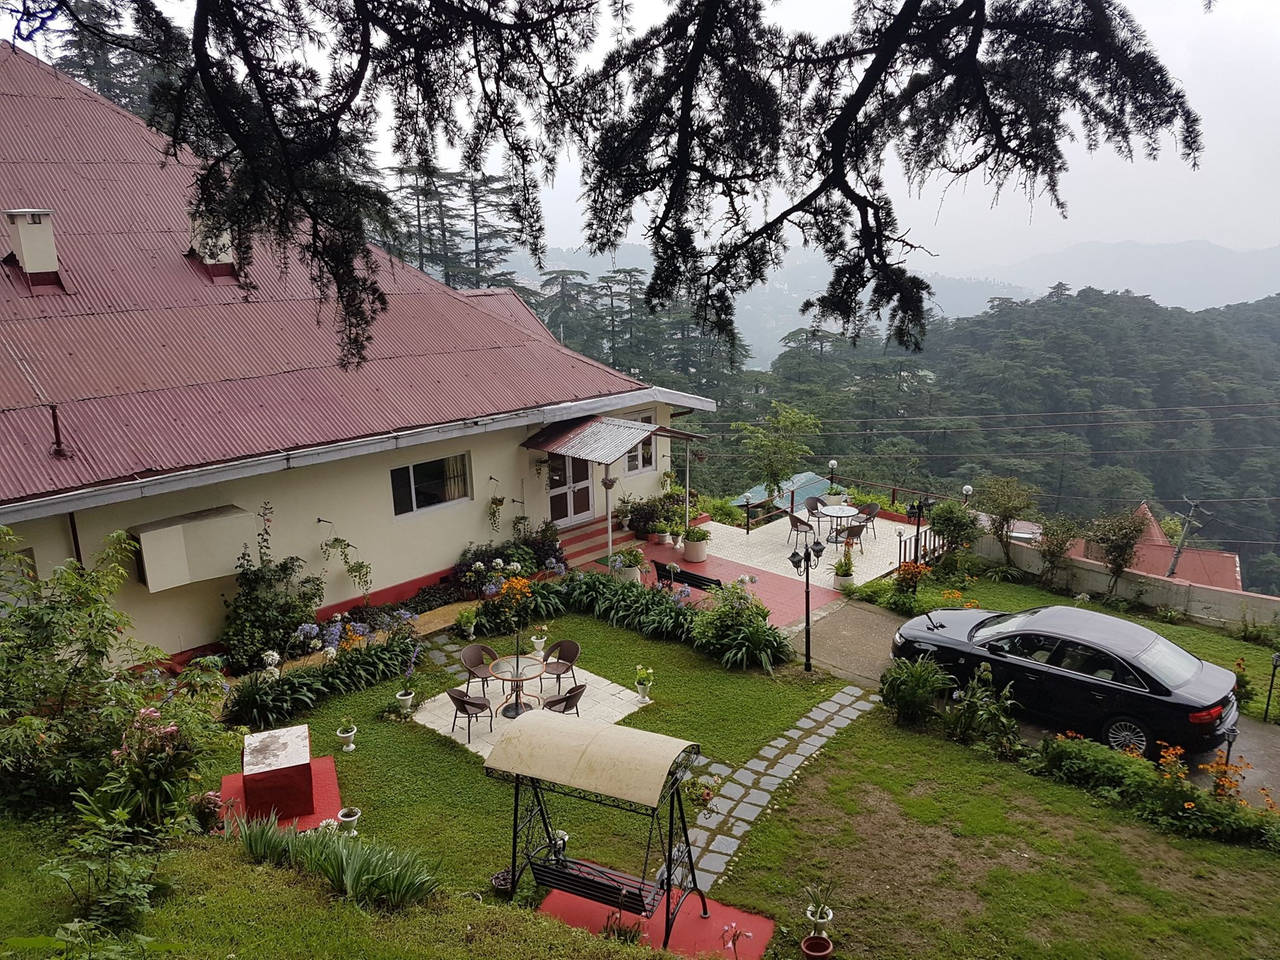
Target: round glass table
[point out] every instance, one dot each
(517, 670)
(837, 512)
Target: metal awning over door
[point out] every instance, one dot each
(598, 439)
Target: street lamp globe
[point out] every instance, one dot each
(967, 490)
(796, 559)
(831, 464)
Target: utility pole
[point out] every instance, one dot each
(1189, 522)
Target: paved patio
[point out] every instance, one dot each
(603, 700)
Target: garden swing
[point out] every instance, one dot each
(633, 770)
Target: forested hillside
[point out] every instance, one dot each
(1100, 399)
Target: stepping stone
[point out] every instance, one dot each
(713, 862)
(818, 739)
(779, 743)
(725, 845)
(698, 837)
(829, 705)
(807, 749)
(721, 804)
(770, 783)
(709, 819)
(839, 723)
(733, 791)
(438, 656)
(759, 797)
(804, 723)
(719, 770)
(755, 763)
(829, 730)
(744, 777)
(843, 697)
(700, 761)
(874, 698)
(738, 827)
(790, 762)
(451, 647)
(854, 692)
(793, 733)
(769, 752)
(747, 811)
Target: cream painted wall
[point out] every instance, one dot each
(355, 495)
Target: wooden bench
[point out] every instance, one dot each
(686, 577)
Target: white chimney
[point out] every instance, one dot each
(31, 236)
(211, 245)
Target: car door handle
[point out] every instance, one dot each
(1098, 696)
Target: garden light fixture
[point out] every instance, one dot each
(807, 561)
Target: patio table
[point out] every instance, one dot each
(517, 670)
(837, 512)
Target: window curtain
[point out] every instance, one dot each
(455, 477)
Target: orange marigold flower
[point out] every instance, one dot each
(1189, 805)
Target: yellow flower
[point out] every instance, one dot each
(1188, 805)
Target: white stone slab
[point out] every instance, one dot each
(275, 749)
(603, 701)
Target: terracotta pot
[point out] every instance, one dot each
(695, 551)
(815, 948)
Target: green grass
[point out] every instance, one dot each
(1207, 643)
(937, 852)
(420, 791)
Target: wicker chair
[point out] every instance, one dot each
(799, 528)
(853, 535)
(564, 702)
(813, 512)
(869, 511)
(476, 657)
(560, 658)
(469, 707)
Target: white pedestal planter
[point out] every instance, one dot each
(538, 644)
(833, 499)
(348, 738)
(629, 573)
(405, 699)
(819, 923)
(695, 551)
(347, 817)
(643, 690)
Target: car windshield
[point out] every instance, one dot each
(999, 625)
(1168, 663)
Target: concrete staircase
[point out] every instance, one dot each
(590, 541)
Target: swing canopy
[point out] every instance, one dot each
(634, 766)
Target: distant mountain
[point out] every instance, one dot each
(767, 312)
(1195, 275)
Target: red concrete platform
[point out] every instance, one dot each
(691, 934)
(326, 800)
(784, 596)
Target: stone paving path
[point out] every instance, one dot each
(746, 792)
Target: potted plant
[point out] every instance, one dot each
(819, 912)
(494, 511)
(539, 641)
(644, 680)
(842, 568)
(406, 693)
(833, 495)
(466, 623)
(622, 511)
(816, 947)
(347, 817)
(695, 544)
(628, 564)
(660, 533)
(347, 734)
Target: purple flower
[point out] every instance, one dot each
(360, 629)
(332, 633)
(405, 615)
(309, 631)
(490, 589)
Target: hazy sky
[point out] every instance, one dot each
(1228, 61)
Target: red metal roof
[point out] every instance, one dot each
(154, 368)
(598, 439)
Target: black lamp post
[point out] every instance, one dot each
(806, 561)
(1232, 733)
(1275, 665)
(916, 512)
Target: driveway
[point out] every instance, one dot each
(852, 640)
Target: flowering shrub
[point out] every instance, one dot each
(644, 675)
(1161, 794)
(735, 629)
(908, 576)
(630, 557)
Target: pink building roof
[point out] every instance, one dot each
(155, 367)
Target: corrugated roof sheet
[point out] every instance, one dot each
(598, 439)
(154, 368)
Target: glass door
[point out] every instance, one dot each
(569, 487)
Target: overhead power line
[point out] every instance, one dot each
(1016, 453)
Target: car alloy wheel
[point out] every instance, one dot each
(1127, 735)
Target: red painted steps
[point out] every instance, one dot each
(590, 541)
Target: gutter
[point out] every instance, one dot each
(140, 487)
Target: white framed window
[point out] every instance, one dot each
(642, 456)
(430, 483)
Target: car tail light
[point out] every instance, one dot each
(1206, 716)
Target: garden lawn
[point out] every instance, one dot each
(935, 851)
(423, 792)
(1207, 643)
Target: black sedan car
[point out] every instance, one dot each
(1098, 675)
